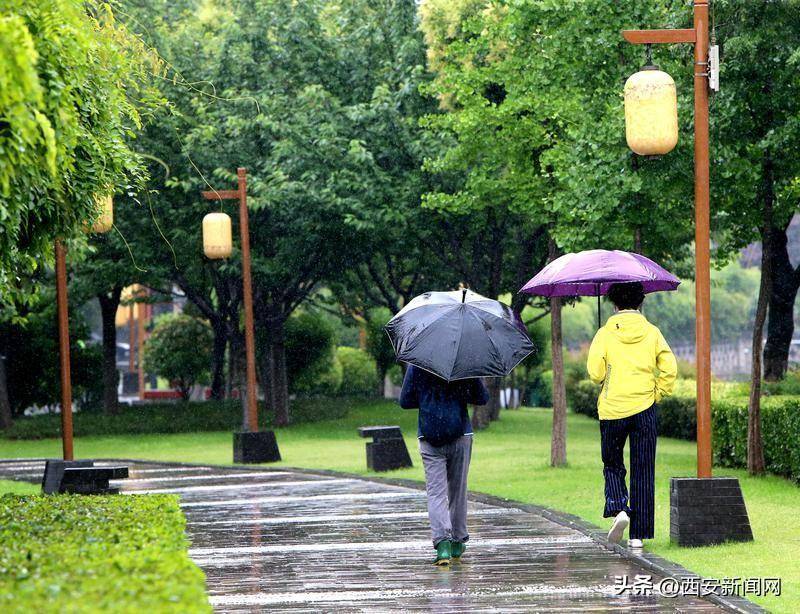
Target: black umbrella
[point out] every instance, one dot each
(459, 334)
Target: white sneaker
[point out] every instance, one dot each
(621, 523)
(635, 544)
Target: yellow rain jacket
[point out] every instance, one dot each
(632, 360)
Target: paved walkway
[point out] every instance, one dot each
(300, 541)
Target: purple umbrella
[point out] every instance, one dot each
(592, 272)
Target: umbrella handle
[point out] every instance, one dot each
(463, 295)
(599, 314)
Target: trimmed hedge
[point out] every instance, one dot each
(676, 414)
(780, 431)
(177, 417)
(67, 553)
(780, 426)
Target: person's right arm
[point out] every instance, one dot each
(667, 368)
(409, 398)
(596, 361)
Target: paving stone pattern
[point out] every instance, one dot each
(301, 542)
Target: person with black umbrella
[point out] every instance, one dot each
(445, 444)
(450, 340)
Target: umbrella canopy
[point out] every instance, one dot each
(591, 273)
(458, 335)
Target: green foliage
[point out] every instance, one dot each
(310, 354)
(188, 417)
(61, 553)
(535, 121)
(754, 125)
(378, 344)
(31, 359)
(540, 390)
(73, 87)
(359, 373)
(780, 432)
(179, 349)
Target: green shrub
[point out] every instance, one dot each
(677, 417)
(789, 385)
(395, 374)
(188, 417)
(780, 431)
(179, 350)
(540, 392)
(378, 344)
(582, 398)
(31, 360)
(359, 373)
(65, 553)
(676, 414)
(310, 356)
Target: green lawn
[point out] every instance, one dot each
(12, 487)
(510, 459)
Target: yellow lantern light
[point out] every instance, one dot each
(651, 112)
(105, 221)
(217, 240)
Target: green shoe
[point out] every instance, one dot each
(457, 549)
(443, 553)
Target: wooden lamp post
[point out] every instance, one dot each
(249, 445)
(102, 224)
(703, 510)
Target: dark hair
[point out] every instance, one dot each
(628, 295)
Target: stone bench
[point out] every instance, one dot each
(80, 477)
(387, 450)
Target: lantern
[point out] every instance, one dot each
(105, 221)
(217, 242)
(651, 112)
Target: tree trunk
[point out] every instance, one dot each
(558, 443)
(480, 415)
(783, 291)
(495, 387)
(381, 390)
(755, 445)
(218, 358)
(6, 419)
(109, 303)
(237, 368)
(279, 383)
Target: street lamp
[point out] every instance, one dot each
(703, 510)
(651, 112)
(249, 445)
(102, 224)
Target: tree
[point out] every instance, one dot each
(755, 133)
(534, 109)
(755, 125)
(378, 344)
(32, 381)
(306, 110)
(74, 84)
(179, 349)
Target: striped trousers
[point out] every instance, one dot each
(642, 430)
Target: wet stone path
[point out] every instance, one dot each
(297, 541)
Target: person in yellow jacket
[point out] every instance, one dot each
(636, 368)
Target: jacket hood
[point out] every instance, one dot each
(627, 326)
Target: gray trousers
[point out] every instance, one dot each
(446, 469)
